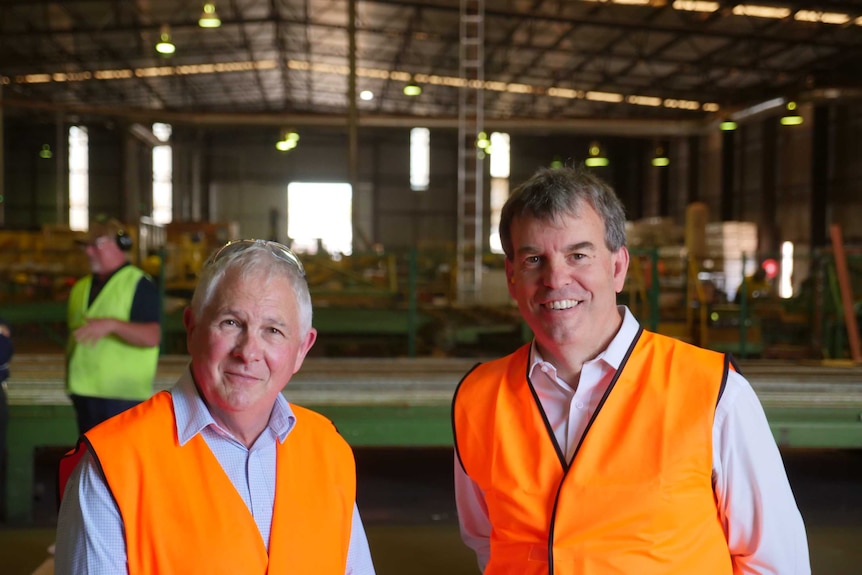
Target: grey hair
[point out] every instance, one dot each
(552, 192)
(258, 260)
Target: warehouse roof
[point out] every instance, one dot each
(660, 65)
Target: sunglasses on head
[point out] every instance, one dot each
(278, 251)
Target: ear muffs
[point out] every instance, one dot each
(124, 241)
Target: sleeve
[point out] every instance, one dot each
(472, 515)
(6, 348)
(90, 535)
(358, 554)
(764, 528)
(146, 306)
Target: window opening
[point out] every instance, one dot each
(319, 217)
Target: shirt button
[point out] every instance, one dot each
(545, 368)
(579, 405)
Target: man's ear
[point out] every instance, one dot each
(510, 277)
(621, 268)
(310, 338)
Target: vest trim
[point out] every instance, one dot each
(578, 448)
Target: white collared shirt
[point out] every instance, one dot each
(762, 523)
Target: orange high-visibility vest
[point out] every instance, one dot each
(637, 497)
(182, 514)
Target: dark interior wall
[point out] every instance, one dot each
(30, 184)
(749, 176)
(120, 168)
(846, 168)
(710, 177)
(794, 187)
(626, 171)
(242, 165)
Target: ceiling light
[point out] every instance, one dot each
(696, 6)
(792, 117)
(660, 160)
(596, 159)
(164, 45)
(727, 126)
(366, 95)
(757, 11)
(412, 89)
(483, 141)
(289, 140)
(824, 17)
(209, 18)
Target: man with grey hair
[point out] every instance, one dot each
(600, 447)
(222, 474)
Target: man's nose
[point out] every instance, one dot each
(248, 346)
(556, 274)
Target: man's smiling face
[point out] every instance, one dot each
(565, 280)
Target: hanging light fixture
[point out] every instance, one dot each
(165, 45)
(660, 160)
(209, 18)
(792, 117)
(727, 126)
(596, 159)
(289, 140)
(483, 145)
(411, 88)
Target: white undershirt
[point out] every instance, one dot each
(756, 506)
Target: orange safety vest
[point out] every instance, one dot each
(637, 496)
(182, 514)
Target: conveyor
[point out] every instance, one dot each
(406, 402)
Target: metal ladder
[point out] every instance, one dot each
(471, 119)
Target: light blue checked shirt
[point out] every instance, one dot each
(90, 534)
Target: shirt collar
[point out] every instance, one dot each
(613, 355)
(192, 415)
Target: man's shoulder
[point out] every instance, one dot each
(154, 412)
(681, 352)
(315, 429)
(519, 356)
(306, 417)
(515, 364)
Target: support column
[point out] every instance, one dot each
(820, 192)
(768, 226)
(728, 156)
(693, 188)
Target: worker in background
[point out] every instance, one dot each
(601, 447)
(6, 351)
(114, 329)
(222, 474)
(755, 286)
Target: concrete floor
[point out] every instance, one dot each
(405, 497)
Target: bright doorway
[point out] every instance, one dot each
(319, 216)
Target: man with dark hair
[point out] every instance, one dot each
(601, 447)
